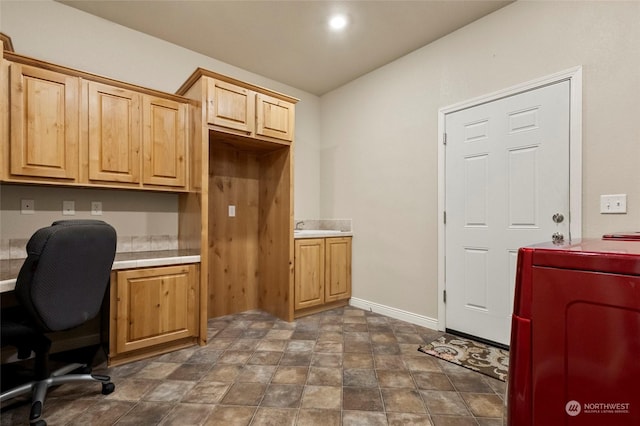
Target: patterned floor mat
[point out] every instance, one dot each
(485, 359)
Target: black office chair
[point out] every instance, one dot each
(61, 286)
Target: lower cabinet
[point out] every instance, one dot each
(337, 269)
(322, 274)
(153, 310)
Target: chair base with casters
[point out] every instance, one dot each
(20, 334)
(38, 388)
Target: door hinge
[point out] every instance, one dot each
(444, 217)
(444, 138)
(444, 296)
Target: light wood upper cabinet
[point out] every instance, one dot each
(44, 123)
(114, 134)
(164, 142)
(274, 117)
(248, 113)
(130, 131)
(153, 308)
(231, 107)
(242, 109)
(67, 127)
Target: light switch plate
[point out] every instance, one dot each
(613, 204)
(232, 211)
(68, 208)
(96, 208)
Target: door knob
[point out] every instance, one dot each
(558, 218)
(557, 238)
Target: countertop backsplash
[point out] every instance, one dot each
(15, 248)
(343, 225)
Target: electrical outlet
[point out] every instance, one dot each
(96, 208)
(68, 208)
(232, 211)
(27, 207)
(612, 204)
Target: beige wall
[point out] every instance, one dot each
(378, 156)
(132, 213)
(379, 133)
(60, 34)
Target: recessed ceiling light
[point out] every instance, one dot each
(338, 22)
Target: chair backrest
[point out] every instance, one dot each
(66, 273)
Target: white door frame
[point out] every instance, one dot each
(574, 76)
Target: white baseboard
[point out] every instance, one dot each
(399, 314)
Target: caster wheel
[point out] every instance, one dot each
(107, 388)
(35, 415)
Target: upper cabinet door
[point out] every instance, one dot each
(44, 123)
(231, 107)
(114, 134)
(275, 117)
(164, 142)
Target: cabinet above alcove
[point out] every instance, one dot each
(244, 109)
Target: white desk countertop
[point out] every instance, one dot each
(10, 268)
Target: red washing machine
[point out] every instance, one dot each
(575, 337)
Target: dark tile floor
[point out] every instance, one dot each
(342, 367)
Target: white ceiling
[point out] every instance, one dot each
(289, 41)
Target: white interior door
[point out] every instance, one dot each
(506, 176)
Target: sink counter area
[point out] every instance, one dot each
(322, 267)
(322, 228)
